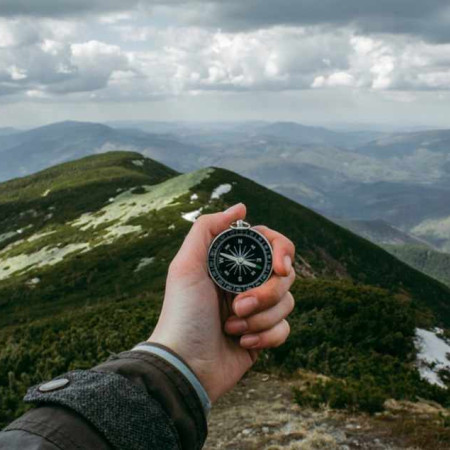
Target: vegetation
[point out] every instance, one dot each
(432, 262)
(360, 336)
(354, 322)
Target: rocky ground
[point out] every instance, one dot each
(259, 414)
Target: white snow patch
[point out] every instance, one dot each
(138, 162)
(194, 197)
(191, 216)
(431, 355)
(143, 263)
(171, 227)
(220, 190)
(33, 281)
(116, 232)
(6, 236)
(127, 205)
(44, 257)
(46, 193)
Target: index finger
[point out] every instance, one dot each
(283, 249)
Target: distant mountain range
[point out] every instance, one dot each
(84, 252)
(8, 130)
(401, 178)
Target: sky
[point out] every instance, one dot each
(327, 62)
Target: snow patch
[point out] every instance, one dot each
(127, 205)
(171, 227)
(116, 232)
(46, 256)
(46, 193)
(220, 190)
(33, 282)
(431, 355)
(6, 236)
(143, 263)
(194, 197)
(192, 216)
(138, 162)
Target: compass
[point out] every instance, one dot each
(240, 258)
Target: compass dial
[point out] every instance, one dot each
(240, 259)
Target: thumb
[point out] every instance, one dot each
(205, 229)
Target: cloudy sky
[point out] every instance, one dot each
(362, 62)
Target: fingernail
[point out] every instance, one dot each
(238, 325)
(245, 306)
(287, 263)
(232, 209)
(250, 341)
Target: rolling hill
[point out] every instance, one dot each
(26, 152)
(84, 251)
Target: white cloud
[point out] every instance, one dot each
(130, 60)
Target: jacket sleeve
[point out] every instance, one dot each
(147, 398)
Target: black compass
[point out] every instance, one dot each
(240, 258)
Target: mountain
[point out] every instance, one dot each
(300, 134)
(7, 130)
(403, 144)
(289, 132)
(33, 150)
(401, 178)
(56, 201)
(84, 252)
(432, 262)
(380, 232)
(436, 230)
(413, 251)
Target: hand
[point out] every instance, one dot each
(191, 323)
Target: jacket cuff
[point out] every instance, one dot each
(122, 411)
(179, 363)
(169, 387)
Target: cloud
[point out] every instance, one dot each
(116, 56)
(428, 19)
(57, 8)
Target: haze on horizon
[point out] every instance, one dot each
(384, 63)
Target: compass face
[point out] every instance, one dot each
(240, 259)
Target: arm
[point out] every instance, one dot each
(158, 394)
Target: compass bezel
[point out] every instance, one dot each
(246, 232)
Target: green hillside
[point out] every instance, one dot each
(84, 251)
(432, 262)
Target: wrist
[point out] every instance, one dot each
(179, 363)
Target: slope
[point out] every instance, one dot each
(432, 262)
(87, 278)
(329, 250)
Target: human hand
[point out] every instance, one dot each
(191, 323)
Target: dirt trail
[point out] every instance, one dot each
(259, 414)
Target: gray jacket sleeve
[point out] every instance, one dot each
(135, 400)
